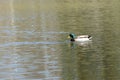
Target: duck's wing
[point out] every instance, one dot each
(83, 36)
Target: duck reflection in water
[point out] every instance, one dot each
(80, 44)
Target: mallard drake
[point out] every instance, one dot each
(79, 38)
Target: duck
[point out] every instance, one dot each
(80, 38)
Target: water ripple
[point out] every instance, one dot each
(27, 43)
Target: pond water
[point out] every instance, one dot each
(34, 43)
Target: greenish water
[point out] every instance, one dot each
(34, 43)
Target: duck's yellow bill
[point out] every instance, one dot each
(68, 36)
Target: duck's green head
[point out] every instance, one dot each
(72, 36)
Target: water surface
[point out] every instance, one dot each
(34, 43)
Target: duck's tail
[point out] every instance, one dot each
(90, 37)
